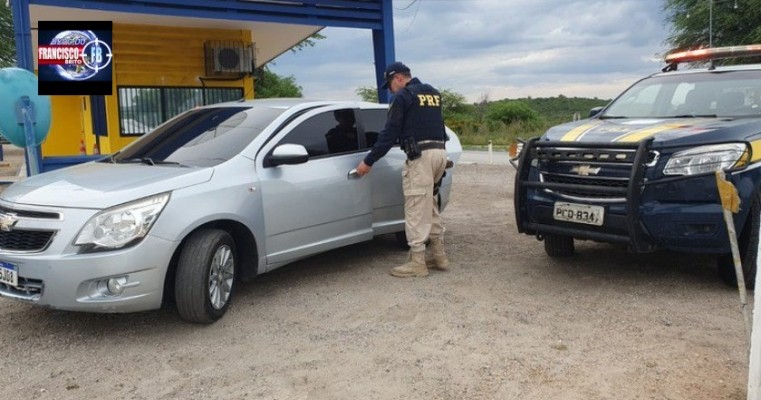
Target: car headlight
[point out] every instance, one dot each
(120, 225)
(709, 158)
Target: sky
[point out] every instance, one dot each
(496, 49)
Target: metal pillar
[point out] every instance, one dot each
(25, 59)
(383, 45)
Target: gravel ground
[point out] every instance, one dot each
(506, 322)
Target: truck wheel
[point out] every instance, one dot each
(748, 244)
(205, 276)
(558, 245)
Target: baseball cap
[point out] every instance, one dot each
(393, 68)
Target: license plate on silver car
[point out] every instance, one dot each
(579, 213)
(8, 274)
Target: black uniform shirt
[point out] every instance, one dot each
(415, 111)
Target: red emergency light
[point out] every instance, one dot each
(714, 53)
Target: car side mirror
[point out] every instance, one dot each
(594, 111)
(289, 154)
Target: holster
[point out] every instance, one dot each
(411, 148)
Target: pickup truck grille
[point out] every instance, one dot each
(596, 172)
(587, 172)
(25, 240)
(589, 186)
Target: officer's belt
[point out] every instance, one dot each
(431, 144)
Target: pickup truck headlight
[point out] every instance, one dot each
(117, 226)
(709, 158)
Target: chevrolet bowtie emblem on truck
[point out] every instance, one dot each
(7, 221)
(585, 170)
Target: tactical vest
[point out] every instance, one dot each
(423, 119)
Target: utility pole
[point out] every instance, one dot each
(710, 21)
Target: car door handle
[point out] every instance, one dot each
(353, 174)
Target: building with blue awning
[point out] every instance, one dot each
(172, 55)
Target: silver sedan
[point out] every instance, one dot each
(212, 197)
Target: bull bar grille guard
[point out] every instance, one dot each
(639, 156)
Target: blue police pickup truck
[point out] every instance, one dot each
(641, 171)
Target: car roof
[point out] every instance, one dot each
(288, 103)
(725, 68)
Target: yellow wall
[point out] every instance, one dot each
(144, 55)
(70, 119)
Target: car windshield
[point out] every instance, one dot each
(691, 95)
(199, 138)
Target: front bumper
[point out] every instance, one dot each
(677, 213)
(684, 227)
(60, 278)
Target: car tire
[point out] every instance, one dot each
(558, 245)
(748, 246)
(205, 279)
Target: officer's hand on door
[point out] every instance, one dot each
(363, 169)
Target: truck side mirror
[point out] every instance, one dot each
(594, 111)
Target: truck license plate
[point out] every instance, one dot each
(579, 213)
(8, 274)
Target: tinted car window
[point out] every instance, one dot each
(374, 121)
(342, 137)
(201, 137)
(331, 132)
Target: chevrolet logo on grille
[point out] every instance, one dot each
(7, 222)
(585, 170)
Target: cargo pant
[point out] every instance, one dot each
(421, 208)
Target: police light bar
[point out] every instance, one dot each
(714, 53)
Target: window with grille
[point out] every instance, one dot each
(143, 108)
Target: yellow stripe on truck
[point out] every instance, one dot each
(638, 135)
(575, 133)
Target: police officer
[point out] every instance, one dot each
(415, 119)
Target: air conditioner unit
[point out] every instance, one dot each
(229, 58)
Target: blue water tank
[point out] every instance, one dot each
(15, 83)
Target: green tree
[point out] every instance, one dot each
(453, 103)
(269, 84)
(690, 23)
(366, 93)
(556, 110)
(511, 111)
(7, 41)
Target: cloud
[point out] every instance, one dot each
(506, 49)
